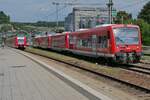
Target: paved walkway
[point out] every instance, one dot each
(22, 79)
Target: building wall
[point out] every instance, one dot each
(69, 22)
(86, 17)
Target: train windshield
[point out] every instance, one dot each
(20, 40)
(126, 35)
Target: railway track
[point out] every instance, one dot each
(143, 62)
(138, 69)
(115, 79)
(111, 77)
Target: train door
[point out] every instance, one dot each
(72, 41)
(94, 46)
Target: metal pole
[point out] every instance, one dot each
(110, 11)
(57, 4)
(122, 19)
(57, 15)
(110, 4)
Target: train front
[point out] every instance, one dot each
(21, 42)
(128, 47)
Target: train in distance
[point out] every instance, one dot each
(19, 40)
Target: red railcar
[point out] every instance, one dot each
(121, 43)
(60, 41)
(42, 41)
(17, 42)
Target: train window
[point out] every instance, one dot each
(90, 42)
(99, 39)
(105, 38)
(71, 39)
(79, 43)
(74, 39)
(102, 42)
(86, 42)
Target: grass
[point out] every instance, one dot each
(75, 61)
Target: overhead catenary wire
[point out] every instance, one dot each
(66, 5)
(60, 9)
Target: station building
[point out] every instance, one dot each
(86, 17)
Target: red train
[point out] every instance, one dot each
(116, 42)
(17, 42)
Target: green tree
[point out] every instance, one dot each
(4, 18)
(122, 17)
(6, 27)
(145, 13)
(145, 29)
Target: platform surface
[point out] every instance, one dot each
(23, 79)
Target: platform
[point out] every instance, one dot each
(23, 79)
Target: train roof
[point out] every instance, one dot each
(83, 29)
(117, 25)
(92, 29)
(114, 26)
(63, 33)
(38, 36)
(105, 26)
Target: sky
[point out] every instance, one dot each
(44, 10)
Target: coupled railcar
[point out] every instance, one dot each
(115, 42)
(42, 41)
(60, 41)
